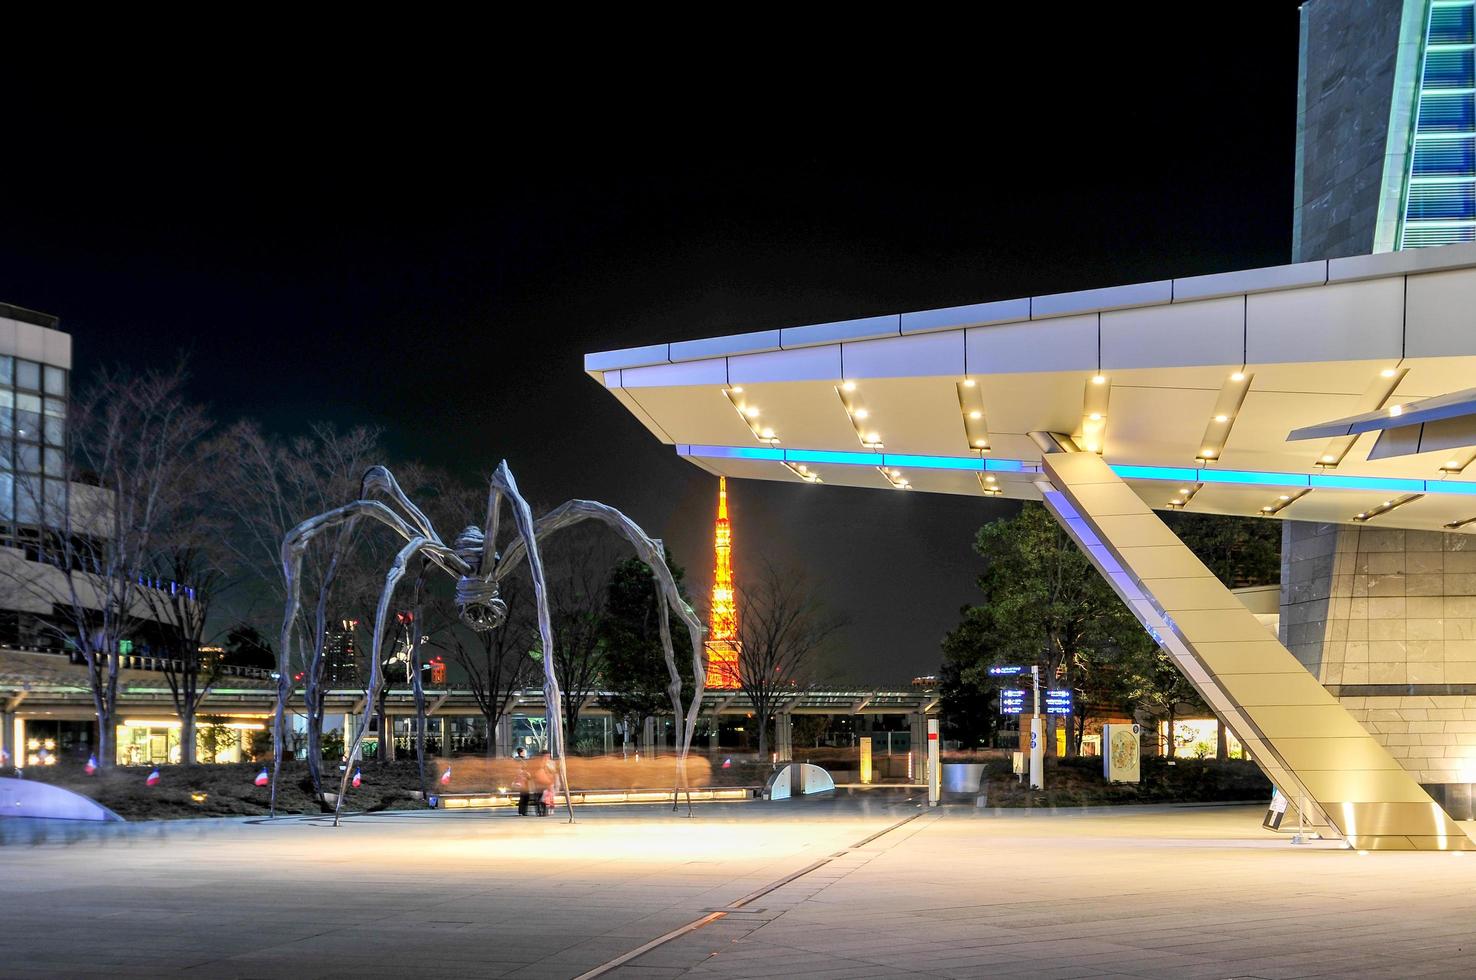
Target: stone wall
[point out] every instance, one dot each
(1345, 86)
(1386, 619)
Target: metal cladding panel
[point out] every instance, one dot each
(1442, 315)
(1061, 344)
(976, 315)
(1180, 335)
(1109, 298)
(805, 364)
(1406, 261)
(920, 355)
(711, 372)
(1329, 761)
(866, 328)
(742, 343)
(1344, 322)
(610, 360)
(1251, 281)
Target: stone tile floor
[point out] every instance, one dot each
(1141, 892)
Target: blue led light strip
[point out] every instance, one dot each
(1167, 474)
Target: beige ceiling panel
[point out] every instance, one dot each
(1235, 499)
(1025, 403)
(803, 415)
(1351, 377)
(1258, 434)
(1429, 376)
(916, 415)
(1157, 426)
(694, 415)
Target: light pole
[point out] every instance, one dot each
(1037, 737)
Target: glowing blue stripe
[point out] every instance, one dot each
(736, 452)
(1254, 478)
(823, 456)
(971, 463)
(1174, 474)
(1171, 474)
(1366, 483)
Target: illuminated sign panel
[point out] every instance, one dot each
(1058, 702)
(1011, 702)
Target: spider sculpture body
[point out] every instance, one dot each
(473, 561)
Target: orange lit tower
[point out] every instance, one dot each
(722, 627)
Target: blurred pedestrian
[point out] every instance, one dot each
(522, 782)
(545, 782)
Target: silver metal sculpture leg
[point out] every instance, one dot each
(503, 482)
(376, 672)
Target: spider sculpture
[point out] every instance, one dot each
(472, 559)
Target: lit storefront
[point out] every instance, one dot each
(153, 741)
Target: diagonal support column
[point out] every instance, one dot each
(1305, 741)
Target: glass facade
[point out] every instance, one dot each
(33, 442)
(1440, 188)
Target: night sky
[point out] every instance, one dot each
(433, 252)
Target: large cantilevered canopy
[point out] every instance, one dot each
(1188, 388)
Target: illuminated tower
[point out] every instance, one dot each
(722, 627)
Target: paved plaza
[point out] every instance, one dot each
(1141, 892)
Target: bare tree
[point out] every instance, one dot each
(102, 515)
(186, 582)
(781, 626)
(274, 483)
(579, 579)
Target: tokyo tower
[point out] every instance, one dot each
(722, 628)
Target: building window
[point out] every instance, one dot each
(1440, 187)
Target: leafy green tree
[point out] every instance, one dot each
(634, 663)
(1044, 604)
(968, 709)
(1241, 551)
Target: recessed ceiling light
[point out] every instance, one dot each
(768, 433)
(1387, 373)
(1238, 376)
(848, 386)
(1207, 453)
(1177, 503)
(896, 472)
(1329, 458)
(976, 414)
(1267, 509)
(968, 382)
(1387, 503)
(1222, 418)
(989, 479)
(875, 437)
(1095, 416)
(980, 443)
(1098, 379)
(1452, 464)
(751, 411)
(1285, 496)
(737, 390)
(862, 413)
(1396, 410)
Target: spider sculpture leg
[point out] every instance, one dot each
(651, 552)
(522, 515)
(376, 673)
(294, 545)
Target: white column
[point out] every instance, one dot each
(784, 736)
(935, 771)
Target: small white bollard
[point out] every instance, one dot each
(935, 785)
